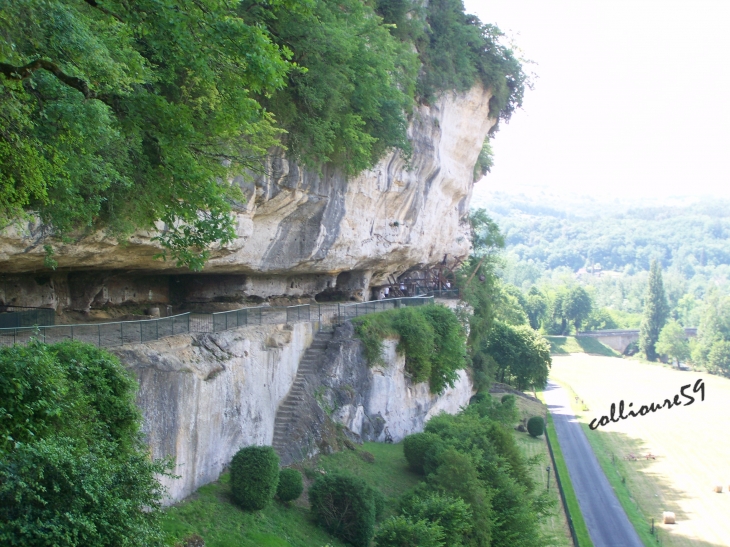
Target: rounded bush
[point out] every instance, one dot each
(344, 506)
(536, 426)
(290, 485)
(254, 477)
(415, 448)
(478, 398)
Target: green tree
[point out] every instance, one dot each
(577, 306)
(718, 360)
(673, 342)
(536, 307)
(121, 114)
(479, 288)
(452, 515)
(345, 506)
(73, 468)
(518, 354)
(656, 311)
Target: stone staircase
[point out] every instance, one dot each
(287, 413)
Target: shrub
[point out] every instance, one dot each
(254, 476)
(449, 355)
(453, 515)
(367, 457)
(415, 448)
(417, 341)
(404, 532)
(72, 459)
(344, 506)
(431, 337)
(290, 485)
(535, 426)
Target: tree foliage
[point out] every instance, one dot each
(345, 506)
(656, 311)
(673, 342)
(517, 354)
(402, 531)
(137, 115)
(73, 467)
(431, 338)
(712, 348)
(477, 462)
(290, 485)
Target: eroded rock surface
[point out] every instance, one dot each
(300, 231)
(205, 396)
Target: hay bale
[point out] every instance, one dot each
(718, 488)
(668, 518)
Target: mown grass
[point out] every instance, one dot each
(579, 525)
(211, 513)
(564, 345)
(389, 473)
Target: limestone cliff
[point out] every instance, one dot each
(203, 397)
(300, 232)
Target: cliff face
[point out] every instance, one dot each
(203, 397)
(298, 230)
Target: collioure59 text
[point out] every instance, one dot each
(699, 387)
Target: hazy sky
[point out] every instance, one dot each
(630, 97)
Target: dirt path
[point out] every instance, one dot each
(606, 520)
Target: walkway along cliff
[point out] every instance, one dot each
(300, 235)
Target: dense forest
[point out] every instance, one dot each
(606, 246)
(118, 114)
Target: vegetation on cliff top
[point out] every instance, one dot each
(431, 338)
(121, 114)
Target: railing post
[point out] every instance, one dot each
(98, 329)
(140, 332)
(157, 330)
(72, 333)
(121, 331)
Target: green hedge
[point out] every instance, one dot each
(416, 447)
(254, 477)
(345, 506)
(290, 485)
(536, 426)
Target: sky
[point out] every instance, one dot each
(630, 98)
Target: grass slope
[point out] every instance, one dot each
(564, 345)
(210, 512)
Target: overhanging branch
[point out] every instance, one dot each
(23, 72)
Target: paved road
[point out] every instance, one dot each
(607, 522)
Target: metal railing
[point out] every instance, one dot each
(121, 333)
(101, 334)
(350, 311)
(19, 316)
